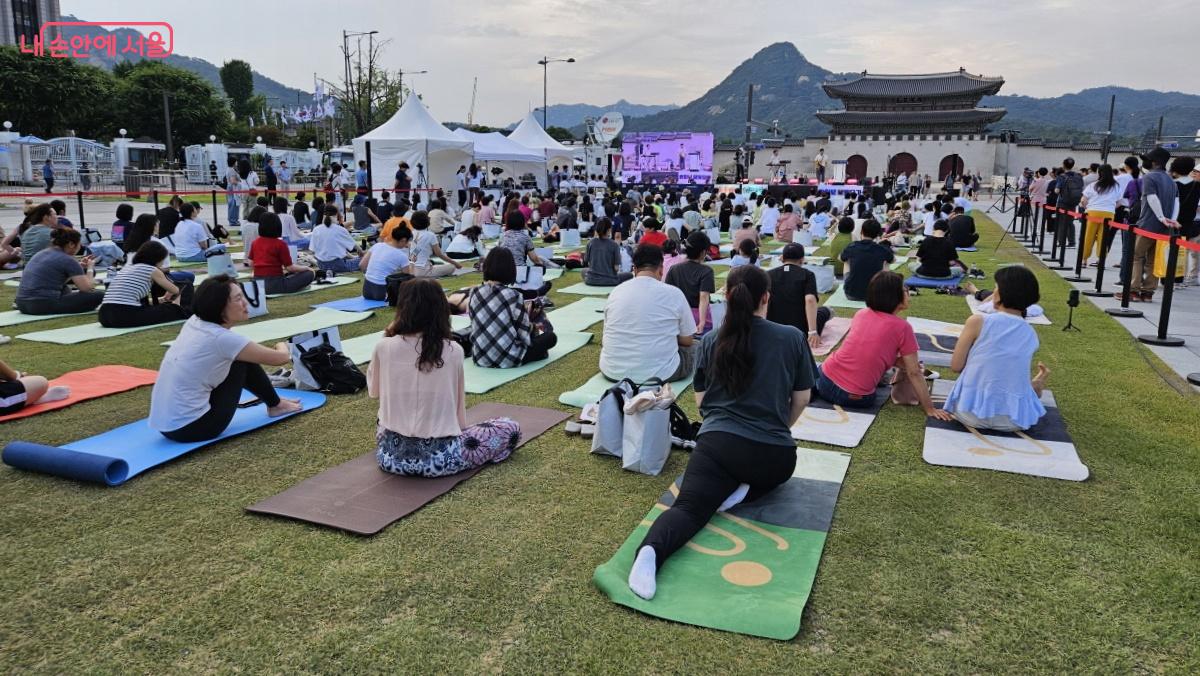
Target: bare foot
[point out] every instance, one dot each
(285, 406)
(971, 288)
(56, 393)
(1039, 380)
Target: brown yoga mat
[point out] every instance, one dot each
(358, 497)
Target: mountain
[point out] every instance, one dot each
(787, 88)
(277, 93)
(568, 115)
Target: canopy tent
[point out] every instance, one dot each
(497, 150)
(413, 136)
(531, 135)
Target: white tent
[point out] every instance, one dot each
(413, 136)
(531, 135)
(497, 150)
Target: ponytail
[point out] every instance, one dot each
(331, 212)
(733, 357)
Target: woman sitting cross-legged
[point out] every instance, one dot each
(384, 258)
(994, 354)
(333, 245)
(273, 262)
(127, 301)
(43, 285)
(602, 258)
(416, 372)
(753, 380)
(878, 340)
(503, 329)
(18, 390)
(201, 378)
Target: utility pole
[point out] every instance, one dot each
(370, 71)
(1107, 143)
(170, 144)
(749, 122)
(400, 82)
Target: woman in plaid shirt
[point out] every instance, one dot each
(503, 329)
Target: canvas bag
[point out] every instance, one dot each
(802, 236)
(824, 275)
(714, 235)
(570, 238)
(626, 261)
(1161, 249)
(221, 264)
(610, 418)
(490, 231)
(255, 291)
(646, 441)
(530, 277)
(307, 341)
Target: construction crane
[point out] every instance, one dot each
(471, 112)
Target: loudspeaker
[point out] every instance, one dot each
(1073, 298)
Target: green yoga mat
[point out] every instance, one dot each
(15, 317)
(582, 289)
(337, 281)
(589, 392)
(838, 299)
(577, 316)
(360, 348)
(750, 570)
(286, 327)
(72, 335)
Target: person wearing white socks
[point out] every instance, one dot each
(18, 390)
(753, 380)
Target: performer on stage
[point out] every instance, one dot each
(819, 163)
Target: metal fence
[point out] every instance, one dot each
(132, 183)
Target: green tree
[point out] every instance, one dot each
(238, 81)
(560, 134)
(46, 97)
(197, 110)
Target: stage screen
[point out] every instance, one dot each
(667, 157)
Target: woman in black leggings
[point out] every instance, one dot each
(752, 383)
(202, 376)
(129, 300)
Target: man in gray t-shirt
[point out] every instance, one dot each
(1160, 198)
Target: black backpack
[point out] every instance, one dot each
(393, 283)
(333, 371)
(1071, 190)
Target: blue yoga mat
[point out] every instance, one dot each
(355, 304)
(117, 455)
(926, 282)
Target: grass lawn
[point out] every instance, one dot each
(927, 569)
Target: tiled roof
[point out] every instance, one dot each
(979, 115)
(934, 84)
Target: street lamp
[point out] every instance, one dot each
(212, 138)
(400, 81)
(545, 64)
(123, 132)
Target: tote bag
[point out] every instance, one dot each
(255, 291)
(307, 341)
(221, 264)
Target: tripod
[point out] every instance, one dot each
(421, 180)
(1072, 303)
(1002, 202)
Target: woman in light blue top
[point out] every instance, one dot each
(994, 354)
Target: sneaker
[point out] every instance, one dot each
(1146, 297)
(1133, 297)
(282, 378)
(5, 340)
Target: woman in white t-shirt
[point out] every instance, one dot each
(425, 246)
(201, 378)
(474, 183)
(387, 257)
(466, 244)
(1100, 201)
(333, 245)
(291, 231)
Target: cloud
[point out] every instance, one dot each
(673, 51)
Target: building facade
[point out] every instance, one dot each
(25, 18)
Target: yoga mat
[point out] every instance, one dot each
(751, 569)
(1040, 320)
(361, 348)
(582, 289)
(480, 379)
(967, 249)
(358, 497)
(14, 317)
(337, 281)
(589, 392)
(825, 423)
(117, 455)
(552, 274)
(577, 316)
(927, 283)
(286, 327)
(355, 304)
(935, 340)
(1045, 450)
(93, 383)
(72, 335)
(838, 299)
(833, 333)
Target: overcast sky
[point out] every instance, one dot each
(672, 52)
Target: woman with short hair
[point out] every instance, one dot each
(416, 373)
(272, 261)
(385, 258)
(203, 373)
(505, 334)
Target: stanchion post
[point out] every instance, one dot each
(79, 201)
(1041, 234)
(216, 212)
(1061, 222)
(1164, 316)
(1125, 310)
(154, 194)
(1078, 277)
(1099, 290)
